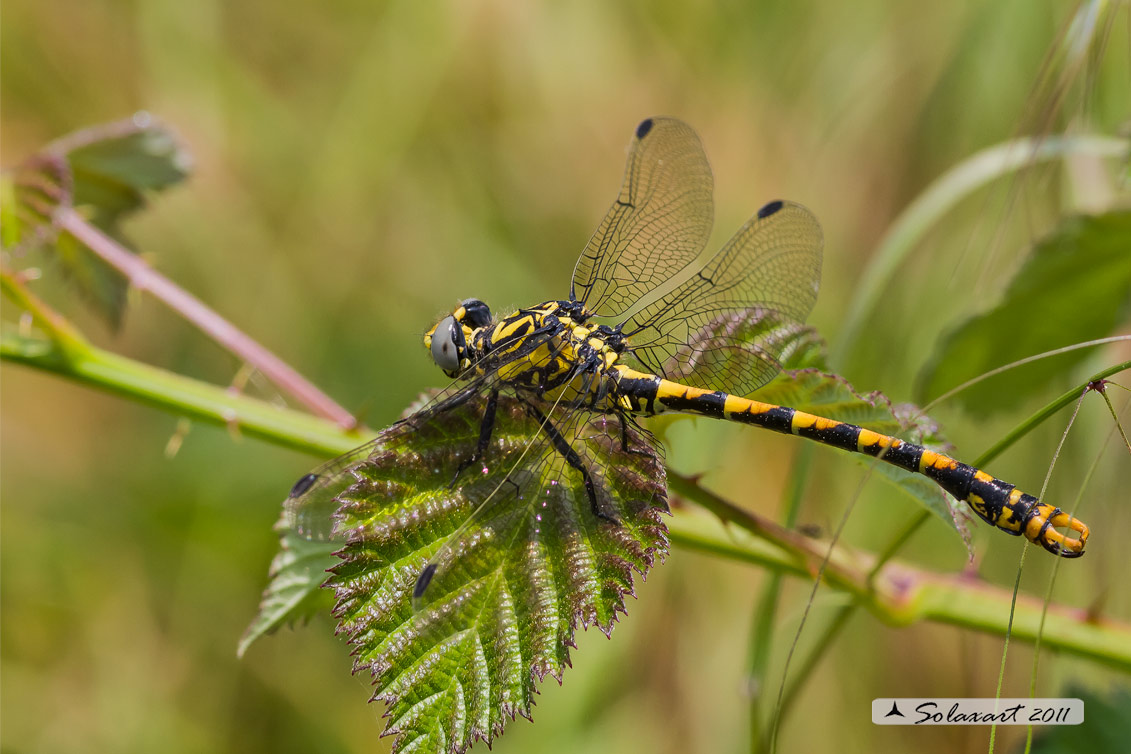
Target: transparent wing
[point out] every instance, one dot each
(520, 489)
(657, 226)
(727, 326)
(312, 504)
(518, 477)
(535, 502)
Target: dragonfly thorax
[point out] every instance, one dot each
(548, 349)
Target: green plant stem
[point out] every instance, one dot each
(181, 395)
(63, 335)
(897, 594)
(144, 278)
(903, 595)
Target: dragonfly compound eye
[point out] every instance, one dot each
(448, 345)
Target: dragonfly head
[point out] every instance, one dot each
(449, 338)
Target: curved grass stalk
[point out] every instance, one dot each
(1011, 437)
(1052, 580)
(763, 637)
(766, 607)
(1020, 362)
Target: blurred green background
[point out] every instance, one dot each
(362, 165)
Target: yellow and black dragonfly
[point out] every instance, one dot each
(566, 386)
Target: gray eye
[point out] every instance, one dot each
(445, 350)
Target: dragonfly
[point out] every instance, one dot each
(646, 331)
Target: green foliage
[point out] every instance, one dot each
(1106, 726)
(114, 172)
(1075, 286)
(105, 173)
(370, 163)
(830, 395)
(511, 588)
(521, 564)
(292, 594)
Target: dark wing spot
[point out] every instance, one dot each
(423, 581)
(643, 129)
(304, 484)
(769, 209)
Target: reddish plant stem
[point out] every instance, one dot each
(143, 277)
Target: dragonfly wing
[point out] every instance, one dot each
(311, 507)
(506, 594)
(729, 325)
(657, 226)
(534, 498)
(517, 537)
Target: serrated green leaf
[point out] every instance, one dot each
(513, 587)
(112, 176)
(830, 395)
(105, 173)
(1075, 286)
(294, 592)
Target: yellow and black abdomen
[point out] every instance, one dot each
(995, 501)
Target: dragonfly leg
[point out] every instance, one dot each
(624, 445)
(486, 428)
(574, 460)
